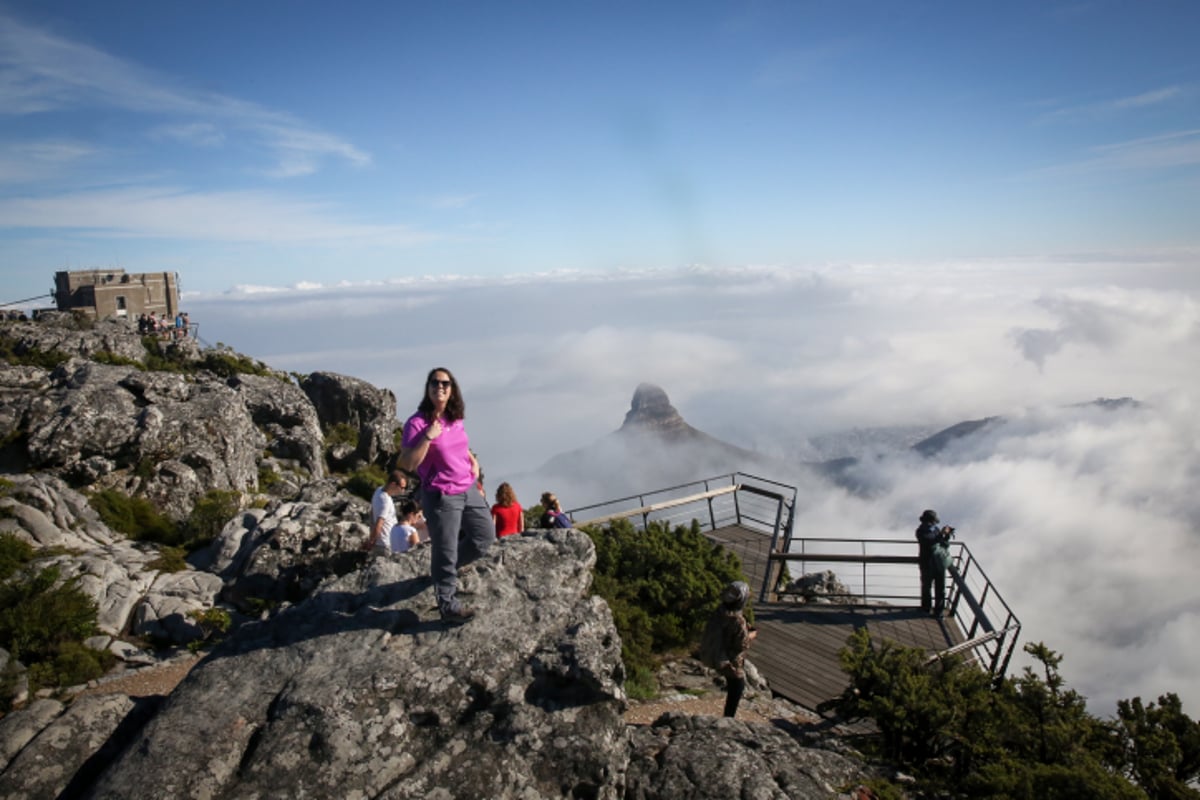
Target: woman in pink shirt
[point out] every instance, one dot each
(435, 446)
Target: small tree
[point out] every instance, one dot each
(1159, 747)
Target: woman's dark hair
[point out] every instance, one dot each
(456, 409)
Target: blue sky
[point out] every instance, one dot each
(278, 144)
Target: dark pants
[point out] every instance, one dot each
(736, 685)
(452, 517)
(933, 581)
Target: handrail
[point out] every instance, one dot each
(970, 644)
(972, 599)
(661, 506)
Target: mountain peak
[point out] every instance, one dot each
(651, 409)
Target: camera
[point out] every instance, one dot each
(948, 530)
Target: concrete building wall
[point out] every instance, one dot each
(105, 293)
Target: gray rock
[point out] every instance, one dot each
(19, 727)
(298, 544)
(340, 399)
(361, 692)
(48, 764)
(682, 757)
(165, 613)
(284, 413)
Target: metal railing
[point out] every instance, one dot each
(881, 571)
(734, 499)
(887, 571)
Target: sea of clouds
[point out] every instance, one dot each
(1087, 520)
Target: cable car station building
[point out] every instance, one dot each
(115, 294)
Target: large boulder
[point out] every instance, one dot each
(293, 547)
(684, 757)
(58, 750)
(283, 412)
(361, 691)
(369, 410)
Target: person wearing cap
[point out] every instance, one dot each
(735, 637)
(933, 579)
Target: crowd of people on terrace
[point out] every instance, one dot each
(164, 326)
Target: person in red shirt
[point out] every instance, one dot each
(507, 514)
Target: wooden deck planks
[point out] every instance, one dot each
(797, 646)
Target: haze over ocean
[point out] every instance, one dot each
(798, 218)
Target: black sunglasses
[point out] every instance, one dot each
(436, 382)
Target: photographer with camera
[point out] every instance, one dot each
(933, 570)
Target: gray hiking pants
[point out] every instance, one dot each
(460, 531)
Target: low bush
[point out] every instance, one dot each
(116, 360)
(14, 553)
(210, 514)
(661, 584)
(169, 559)
(363, 482)
(35, 616)
(12, 353)
(135, 517)
(341, 433)
(212, 622)
(227, 364)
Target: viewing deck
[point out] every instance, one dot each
(799, 640)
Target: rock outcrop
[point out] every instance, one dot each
(369, 410)
(361, 691)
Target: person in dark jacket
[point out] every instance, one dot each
(933, 578)
(735, 636)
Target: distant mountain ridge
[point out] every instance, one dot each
(656, 448)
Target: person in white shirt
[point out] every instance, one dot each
(383, 511)
(404, 536)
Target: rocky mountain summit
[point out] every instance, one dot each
(654, 447)
(338, 678)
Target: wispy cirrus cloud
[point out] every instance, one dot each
(1114, 105)
(236, 216)
(1170, 150)
(41, 73)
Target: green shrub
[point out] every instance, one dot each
(169, 559)
(135, 517)
(227, 364)
(36, 618)
(74, 663)
(116, 360)
(363, 482)
(12, 353)
(267, 478)
(959, 732)
(210, 514)
(341, 433)
(14, 552)
(661, 585)
(160, 359)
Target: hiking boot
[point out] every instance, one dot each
(457, 616)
